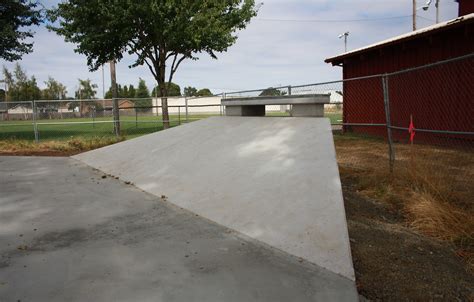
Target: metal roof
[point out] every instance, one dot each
(407, 36)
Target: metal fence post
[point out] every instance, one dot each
(179, 115)
(386, 100)
(136, 116)
(93, 117)
(35, 125)
(289, 93)
(223, 108)
(186, 104)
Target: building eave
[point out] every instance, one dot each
(339, 59)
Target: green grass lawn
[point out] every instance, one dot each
(131, 126)
(63, 129)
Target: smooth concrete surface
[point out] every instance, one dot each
(278, 100)
(273, 179)
(307, 110)
(257, 110)
(68, 234)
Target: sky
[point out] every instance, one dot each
(286, 44)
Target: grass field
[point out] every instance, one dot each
(64, 129)
(131, 126)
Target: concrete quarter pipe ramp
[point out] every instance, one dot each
(273, 179)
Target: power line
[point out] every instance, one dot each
(427, 19)
(331, 20)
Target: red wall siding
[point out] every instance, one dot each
(436, 97)
(466, 7)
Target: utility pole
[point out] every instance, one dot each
(437, 11)
(344, 35)
(103, 81)
(115, 109)
(414, 15)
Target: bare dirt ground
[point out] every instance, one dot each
(12, 147)
(393, 263)
(37, 153)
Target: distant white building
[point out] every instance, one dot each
(20, 109)
(204, 105)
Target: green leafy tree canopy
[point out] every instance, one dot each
(272, 92)
(160, 33)
(15, 15)
(54, 90)
(172, 88)
(142, 90)
(204, 92)
(190, 91)
(20, 87)
(86, 90)
(2, 95)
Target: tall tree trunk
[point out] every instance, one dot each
(115, 105)
(163, 90)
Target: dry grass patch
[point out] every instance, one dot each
(54, 148)
(432, 186)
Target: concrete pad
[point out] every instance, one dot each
(273, 179)
(67, 234)
(307, 110)
(278, 100)
(258, 110)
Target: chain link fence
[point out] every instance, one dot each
(44, 120)
(431, 126)
(404, 138)
(436, 99)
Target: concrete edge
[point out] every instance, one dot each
(233, 231)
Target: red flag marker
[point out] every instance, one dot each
(411, 129)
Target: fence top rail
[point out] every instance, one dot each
(16, 102)
(167, 97)
(203, 97)
(169, 106)
(255, 90)
(307, 85)
(468, 56)
(71, 100)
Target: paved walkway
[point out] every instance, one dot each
(68, 234)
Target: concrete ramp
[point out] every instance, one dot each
(272, 179)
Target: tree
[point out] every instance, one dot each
(142, 92)
(125, 92)
(272, 92)
(20, 87)
(172, 88)
(108, 94)
(2, 95)
(131, 91)
(190, 91)
(204, 92)
(162, 34)
(122, 91)
(14, 15)
(86, 90)
(54, 90)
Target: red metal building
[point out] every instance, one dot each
(438, 98)
(465, 7)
